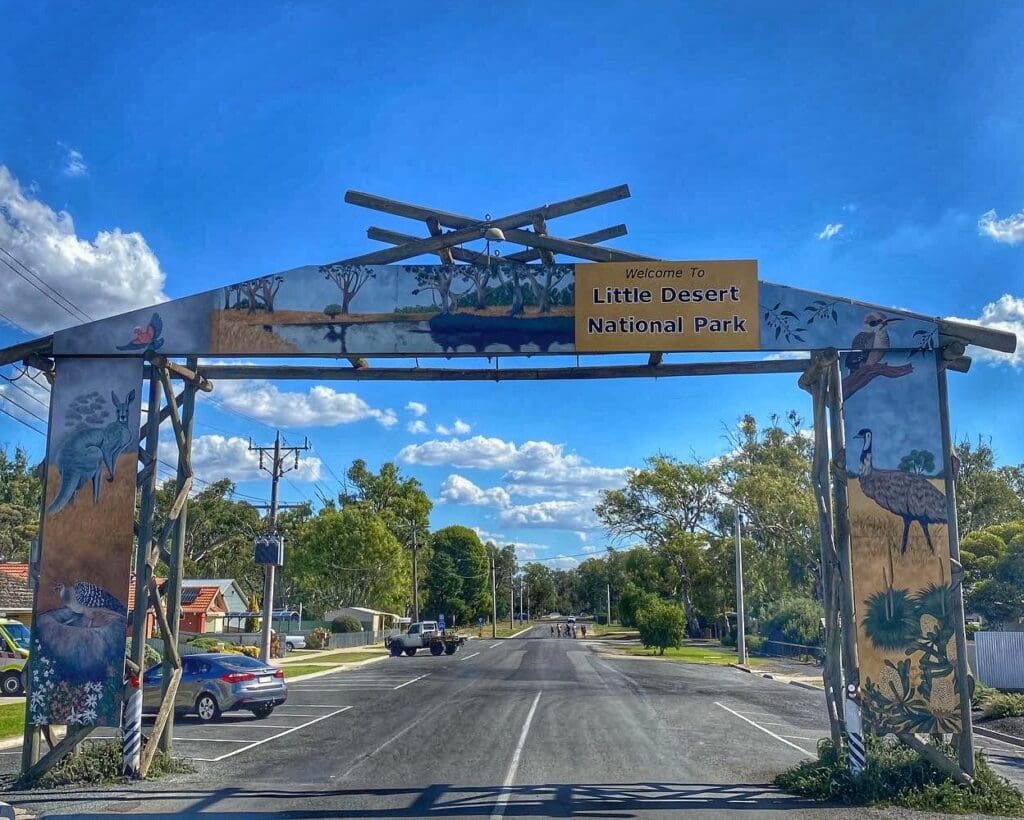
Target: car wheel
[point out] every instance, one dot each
(12, 685)
(291, 646)
(450, 649)
(263, 710)
(207, 708)
(396, 649)
(411, 651)
(436, 649)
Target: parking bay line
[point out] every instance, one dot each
(766, 731)
(234, 752)
(469, 656)
(494, 645)
(421, 677)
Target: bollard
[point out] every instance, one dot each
(132, 735)
(854, 733)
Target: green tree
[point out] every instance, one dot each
(218, 535)
(921, 462)
(20, 502)
(400, 501)
(540, 589)
(661, 624)
(458, 553)
(665, 505)
(985, 494)
(349, 557)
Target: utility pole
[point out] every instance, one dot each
(741, 627)
(522, 583)
(277, 471)
(512, 597)
(608, 592)
(494, 599)
(415, 577)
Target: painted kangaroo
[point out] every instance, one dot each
(86, 449)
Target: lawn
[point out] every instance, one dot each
(692, 653)
(12, 719)
(293, 670)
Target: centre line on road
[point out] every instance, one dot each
(469, 656)
(766, 731)
(421, 677)
(506, 790)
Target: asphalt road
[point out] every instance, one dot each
(527, 727)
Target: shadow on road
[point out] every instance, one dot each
(439, 800)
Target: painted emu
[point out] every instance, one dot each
(911, 497)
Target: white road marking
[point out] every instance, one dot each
(421, 677)
(506, 791)
(797, 737)
(469, 656)
(211, 740)
(766, 731)
(274, 737)
(494, 645)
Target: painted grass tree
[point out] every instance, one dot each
(350, 279)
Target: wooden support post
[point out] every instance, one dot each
(965, 740)
(163, 716)
(170, 649)
(841, 514)
(176, 562)
(132, 729)
(445, 253)
(57, 753)
(831, 668)
(936, 758)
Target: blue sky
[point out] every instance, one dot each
(857, 150)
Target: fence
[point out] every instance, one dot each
(344, 640)
(1000, 659)
(781, 649)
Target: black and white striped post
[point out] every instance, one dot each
(131, 744)
(854, 733)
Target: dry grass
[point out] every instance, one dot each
(230, 333)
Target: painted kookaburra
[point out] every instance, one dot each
(871, 344)
(84, 598)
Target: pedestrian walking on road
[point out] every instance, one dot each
(558, 629)
(583, 630)
(552, 632)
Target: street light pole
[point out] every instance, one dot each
(741, 627)
(494, 600)
(415, 577)
(608, 592)
(512, 598)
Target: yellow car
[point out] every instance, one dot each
(14, 638)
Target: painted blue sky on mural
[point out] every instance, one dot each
(842, 164)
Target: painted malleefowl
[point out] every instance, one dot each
(911, 497)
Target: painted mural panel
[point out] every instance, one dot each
(445, 310)
(80, 623)
(906, 618)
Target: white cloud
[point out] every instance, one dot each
(417, 408)
(1009, 230)
(27, 400)
(215, 457)
(417, 426)
(575, 516)
(830, 230)
(458, 428)
(320, 406)
(74, 162)
(561, 561)
(535, 468)
(1005, 313)
(112, 273)
(460, 490)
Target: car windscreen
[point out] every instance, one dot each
(19, 634)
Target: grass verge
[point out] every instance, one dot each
(694, 653)
(898, 776)
(12, 719)
(99, 764)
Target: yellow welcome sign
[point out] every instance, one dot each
(664, 306)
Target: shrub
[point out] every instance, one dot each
(151, 656)
(1002, 705)
(754, 643)
(319, 638)
(898, 776)
(981, 694)
(99, 763)
(248, 651)
(346, 623)
(972, 628)
(630, 602)
(332, 310)
(797, 620)
(661, 625)
(209, 644)
(602, 620)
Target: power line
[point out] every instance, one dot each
(22, 407)
(11, 322)
(23, 422)
(68, 306)
(14, 383)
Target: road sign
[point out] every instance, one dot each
(666, 306)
